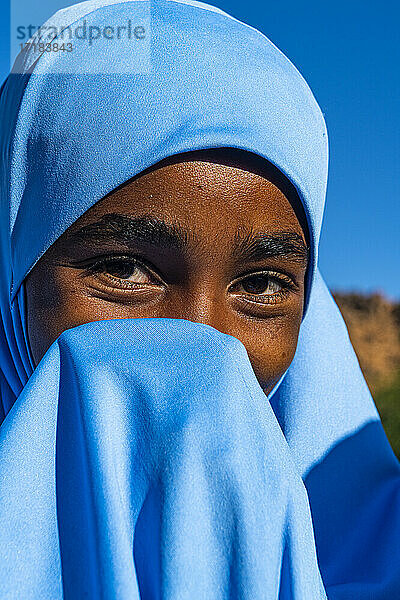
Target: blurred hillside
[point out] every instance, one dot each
(373, 323)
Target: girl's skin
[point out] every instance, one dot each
(208, 236)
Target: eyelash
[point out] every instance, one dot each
(282, 279)
(99, 267)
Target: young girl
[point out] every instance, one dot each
(183, 416)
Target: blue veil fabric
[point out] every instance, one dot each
(159, 469)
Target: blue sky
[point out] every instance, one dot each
(349, 54)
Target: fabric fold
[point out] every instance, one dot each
(160, 469)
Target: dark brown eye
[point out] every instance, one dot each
(263, 288)
(260, 284)
(130, 270)
(123, 269)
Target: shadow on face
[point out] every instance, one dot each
(211, 236)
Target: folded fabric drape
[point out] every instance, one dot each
(143, 461)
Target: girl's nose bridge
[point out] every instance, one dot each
(205, 303)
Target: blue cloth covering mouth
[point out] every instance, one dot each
(120, 478)
(156, 470)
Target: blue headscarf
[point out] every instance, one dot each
(161, 470)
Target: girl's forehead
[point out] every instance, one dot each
(202, 195)
(220, 180)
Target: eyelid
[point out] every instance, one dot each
(102, 258)
(93, 263)
(282, 277)
(262, 302)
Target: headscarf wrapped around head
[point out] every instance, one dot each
(78, 125)
(206, 80)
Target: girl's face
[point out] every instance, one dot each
(196, 240)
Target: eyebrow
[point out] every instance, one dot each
(130, 231)
(253, 246)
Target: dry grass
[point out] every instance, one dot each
(374, 329)
(373, 323)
